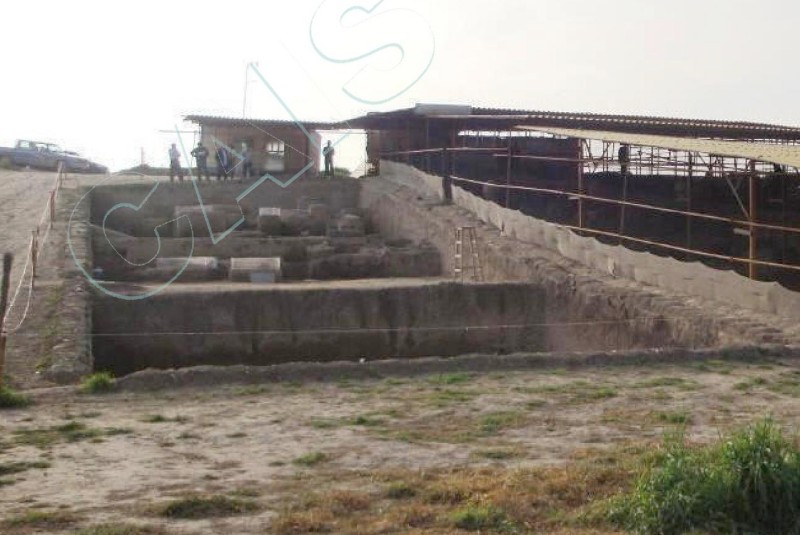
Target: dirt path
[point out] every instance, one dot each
(23, 197)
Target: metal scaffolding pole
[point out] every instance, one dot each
(753, 201)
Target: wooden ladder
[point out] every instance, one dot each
(468, 234)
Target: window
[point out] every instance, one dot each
(275, 161)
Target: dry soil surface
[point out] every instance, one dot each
(72, 461)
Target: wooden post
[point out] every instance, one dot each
(34, 254)
(8, 258)
(580, 183)
(689, 202)
(753, 211)
(52, 207)
(508, 173)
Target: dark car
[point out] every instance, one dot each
(40, 155)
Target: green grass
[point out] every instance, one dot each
(35, 519)
(366, 421)
(98, 383)
(493, 423)
(70, 432)
(480, 519)
(161, 419)
(495, 454)
(672, 417)
(9, 399)
(674, 382)
(400, 491)
(310, 459)
(214, 506)
(15, 467)
(749, 482)
(450, 379)
(443, 398)
(120, 529)
(576, 391)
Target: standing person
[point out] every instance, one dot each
(223, 162)
(200, 154)
(328, 152)
(175, 164)
(247, 161)
(624, 155)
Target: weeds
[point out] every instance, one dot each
(310, 459)
(9, 399)
(98, 383)
(195, 507)
(747, 483)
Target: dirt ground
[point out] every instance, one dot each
(326, 457)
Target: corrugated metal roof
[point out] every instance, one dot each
(773, 153)
(578, 117)
(502, 119)
(214, 120)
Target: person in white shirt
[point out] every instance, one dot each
(175, 164)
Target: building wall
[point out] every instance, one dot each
(299, 151)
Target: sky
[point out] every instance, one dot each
(113, 79)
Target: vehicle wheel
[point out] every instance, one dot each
(6, 163)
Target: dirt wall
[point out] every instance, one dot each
(589, 307)
(204, 324)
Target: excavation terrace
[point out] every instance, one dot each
(482, 232)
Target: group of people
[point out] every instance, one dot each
(226, 169)
(225, 166)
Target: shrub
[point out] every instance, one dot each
(479, 519)
(9, 399)
(193, 507)
(747, 483)
(98, 383)
(310, 459)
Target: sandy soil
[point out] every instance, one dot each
(118, 457)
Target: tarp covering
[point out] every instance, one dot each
(764, 152)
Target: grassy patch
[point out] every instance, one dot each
(70, 432)
(575, 392)
(450, 379)
(121, 529)
(456, 499)
(668, 382)
(324, 423)
(36, 519)
(671, 417)
(492, 424)
(400, 490)
(161, 419)
(10, 399)
(98, 383)
(480, 519)
(10, 468)
(214, 506)
(747, 483)
(366, 421)
(443, 398)
(496, 454)
(311, 459)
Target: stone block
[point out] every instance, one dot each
(256, 270)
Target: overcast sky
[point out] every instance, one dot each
(103, 78)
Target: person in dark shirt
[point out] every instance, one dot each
(247, 162)
(223, 163)
(200, 154)
(328, 152)
(624, 155)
